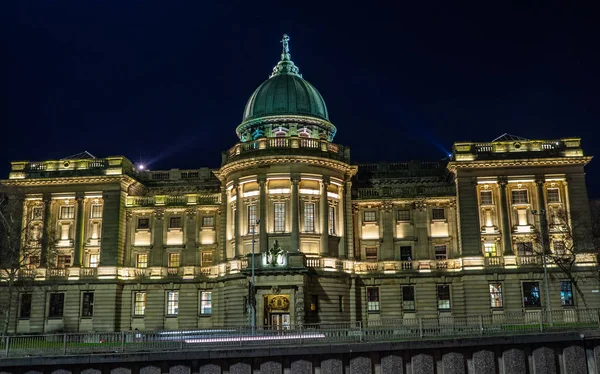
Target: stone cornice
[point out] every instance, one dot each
(61, 181)
(479, 164)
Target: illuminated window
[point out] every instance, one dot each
(371, 253)
(496, 295)
(553, 195)
(142, 260)
(67, 212)
(443, 296)
(94, 260)
(408, 298)
(175, 223)
(174, 258)
(96, 211)
(172, 303)
(143, 223)
(279, 209)
(486, 198)
(87, 304)
(207, 258)
(57, 304)
(139, 303)
(63, 261)
(369, 216)
(206, 302)
(372, 299)
(437, 214)
(309, 217)
(531, 295)
(314, 303)
(251, 219)
(441, 252)
(403, 215)
(208, 221)
(566, 294)
(25, 306)
(331, 220)
(520, 197)
(489, 249)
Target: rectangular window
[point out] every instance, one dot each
(438, 214)
(496, 295)
(369, 216)
(489, 250)
(441, 252)
(520, 197)
(94, 260)
(208, 221)
(531, 295)
(314, 303)
(206, 302)
(67, 212)
(56, 307)
(172, 303)
(309, 217)
(34, 262)
(143, 223)
(553, 195)
(174, 258)
(341, 304)
(142, 260)
(443, 296)
(207, 258)
(525, 249)
(406, 253)
(371, 253)
(559, 247)
(96, 211)
(372, 299)
(251, 219)
(486, 198)
(87, 304)
(279, 209)
(139, 303)
(37, 213)
(175, 223)
(408, 298)
(566, 294)
(25, 306)
(63, 261)
(403, 215)
(331, 220)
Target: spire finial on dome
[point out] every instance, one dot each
(286, 65)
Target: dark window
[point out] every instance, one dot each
(525, 249)
(519, 197)
(341, 304)
(67, 212)
(403, 215)
(57, 303)
(559, 248)
(37, 213)
(63, 261)
(143, 223)
(87, 304)
(175, 223)
(251, 219)
(443, 296)
(372, 299)
(369, 216)
(371, 253)
(408, 298)
(553, 195)
(208, 221)
(486, 198)
(566, 294)
(441, 253)
(25, 307)
(531, 295)
(437, 214)
(406, 253)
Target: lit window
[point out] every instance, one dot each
(372, 299)
(403, 215)
(174, 260)
(96, 211)
(208, 221)
(175, 223)
(309, 217)
(142, 260)
(531, 295)
(553, 195)
(525, 249)
(520, 197)
(486, 198)
(56, 307)
(566, 294)
(206, 302)
(143, 223)
(489, 249)
(25, 306)
(443, 296)
(67, 212)
(369, 216)
(172, 303)
(496, 295)
(94, 260)
(441, 252)
(371, 253)
(279, 209)
(408, 298)
(63, 261)
(331, 220)
(207, 258)
(314, 303)
(139, 303)
(87, 304)
(251, 219)
(437, 214)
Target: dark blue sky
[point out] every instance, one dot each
(166, 82)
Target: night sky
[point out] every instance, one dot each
(165, 83)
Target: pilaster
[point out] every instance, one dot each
(158, 227)
(468, 208)
(295, 235)
(79, 231)
(387, 247)
(238, 216)
(191, 229)
(504, 216)
(113, 230)
(323, 214)
(262, 227)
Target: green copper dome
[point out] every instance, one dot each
(285, 93)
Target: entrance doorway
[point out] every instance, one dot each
(277, 311)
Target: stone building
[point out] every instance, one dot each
(128, 249)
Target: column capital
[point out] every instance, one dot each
(326, 180)
(502, 181)
(159, 213)
(261, 179)
(191, 213)
(540, 180)
(295, 178)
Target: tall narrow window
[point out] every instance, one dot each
(441, 252)
(566, 294)
(553, 195)
(372, 299)
(531, 295)
(172, 303)
(174, 259)
(314, 303)
(438, 214)
(94, 260)
(496, 295)
(96, 211)
(142, 260)
(25, 306)
(87, 304)
(443, 296)
(406, 253)
(251, 219)
(139, 303)
(341, 304)
(57, 304)
(309, 217)
(520, 197)
(279, 209)
(403, 215)
(486, 197)
(205, 302)
(331, 220)
(67, 212)
(408, 298)
(371, 253)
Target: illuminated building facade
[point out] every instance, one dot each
(160, 250)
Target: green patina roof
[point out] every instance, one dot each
(285, 92)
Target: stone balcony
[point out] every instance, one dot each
(174, 200)
(117, 165)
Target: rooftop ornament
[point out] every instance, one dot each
(286, 65)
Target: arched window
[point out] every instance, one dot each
(280, 132)
(304, 133)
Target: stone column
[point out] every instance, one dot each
(263, 239)
(505, 214)
(47, 237)
(295, 237)
(348, 221)
(156, 254)
(222, 225)
(238, 216)
(79, 232)
(324, 215)
(189, 253)
(541, 210)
